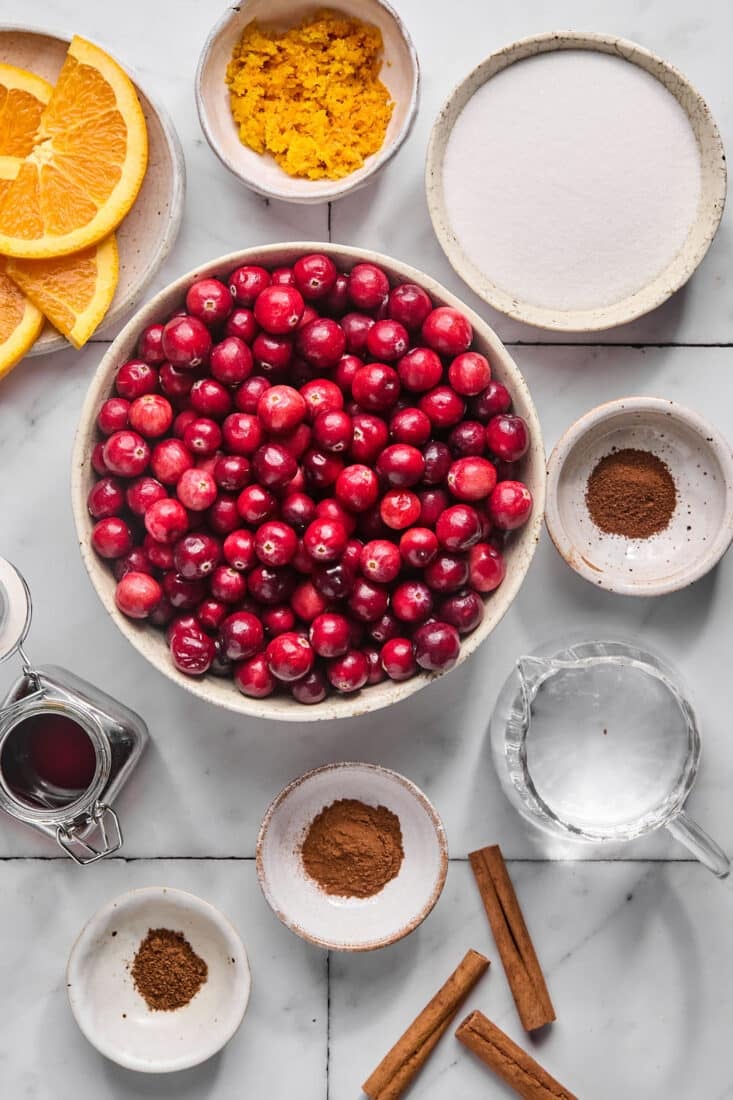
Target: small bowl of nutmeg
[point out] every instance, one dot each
(351, 856)
(640, 496)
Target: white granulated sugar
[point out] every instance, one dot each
(571, 179)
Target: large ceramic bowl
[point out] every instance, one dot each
(151, 642)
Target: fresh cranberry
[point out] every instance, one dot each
(334, 582)
(446, 573)
(289, 656)
(278, 309)
(98, 464)
(387, 340)
(192, 651)
(330, 634)
(458, 527)
(368, 286)
(399, 509)
(106, 498)
(186, 342)
(412, 602)
(469, 373)
(196, 555)
(307, 602)
(255, 504)
(437, 646)
(150, 346)
(471, 478)
(227, 586)
(183, 594)
(438, 460)
(209, 398)
(271, 586)
(418, 547)
(283, 276)
(275, 543)
(401, 465)
(281, 409)
(231, 361)
(113, 416)
(376, 387)
(181, 422)
(273, 466)
(357, 488)
(349, 672)
(210, 301)
(166, 520)
(315, 275)
(202, 437)
(352, 553)
(494, 399)
(111, 537)
(176, 384)
(247, 396)
(325, 540)
(159, 554)
(151, 415)
(507, 437)
(376, 672)
(137, 594)
(409, 304)
(136, 561)
(410, 426)
(443, 407)
(310, 689)
(321, 468)
(380, 561)
(277, 620)
(420, 369)
(447, 331)
(242, 635)
(231, 472)
(196, 490)
(464, 610)
(223, 515)
(321, 343)
(297, 443)
(333, 431)
(170, 459)
(370, 438)
(298, 509)
(510, 505)
(253, 677)
(309, 314)
(272, 354)
(467, 438)
(247, 282)
(211, 613)
(136, 378)
(241, 323)
(330, 508)
(241, 433)
(126, 454)
(336, 302)
(432, 503)
(386, 627)
(398, 659)
(321, 395)
(180, 623)
(239, 549)
(356, 328)
(367, 601)
(162, 613)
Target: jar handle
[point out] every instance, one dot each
(80, 850)
(702, 846)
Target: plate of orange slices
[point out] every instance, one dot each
(91, 192)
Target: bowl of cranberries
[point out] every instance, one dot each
(307, 481)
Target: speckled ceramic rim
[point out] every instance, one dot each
(320, 192)
(417, 794)
(209, 913)
(614, 410)
(151, 643)
(50, 340)
(710, 210)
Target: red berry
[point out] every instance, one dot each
(126, 454)
(310, 689)
(202, 437)
(137, 561)
(438, 462)
(376, 387)
(333, 431)
(321, 343)
(106, 498)
(196, 555)
(241, 323)
(409, 304)
(150, 346)
(247, 282)
(253, 677)
(432, 503)
(192, 651)
(356, 328)
(380, 561)
(273, 466)
(136, 378)
(330, 508)
(231, 472)
(223, 515)
(443, 407)
(399, 509)
(166, 520)
(446, 573)
(277, 620)
(367, 601)
(330, 634)
(159, 554)
(271, 586)
(275, 543)
(111, 537)
(334, 582)
(507, 437)
(169, 460)
(420, 369)
(255, 504)
(385, 628)
(447, 331)
(283, 276)
(398, 659)
(113, 416)
(175, 383)
(183, 595)
(349, 672)
(227, 584)
(494, 399)
(401, 465)
(464, 610)
(321, 395)
(471, 478)
(137, 594)
(467, 438)
(410, 426)
(241, 433)
(387, 340)
(230, 361)
(437, 646)
(307, 602)
(281, 409)
(510, 505)
(239, 549)
(209, 398)
(186, 342)
(151, 415)
(357, 488)
(368, 286)
(182, 421)
(458, 527)
(210, 301)
(418, 547)
(247, 396)
(469, 373)
(315, 275)
(242, 635)
(325, 540)
(98, 464)
(370, 437)
(412, 602)
(211, 614)
(298, 509)
(278, 309)
(289, 656)
(272, 354)
(196, 490)
(296, 443)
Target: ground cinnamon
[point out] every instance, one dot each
(631, 493)
(166, 970)
(352, 849)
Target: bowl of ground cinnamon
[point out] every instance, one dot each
(158, 980)
(640, 496)
(352, 856)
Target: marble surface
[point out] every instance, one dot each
(641, 986)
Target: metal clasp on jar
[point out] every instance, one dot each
(71, 837)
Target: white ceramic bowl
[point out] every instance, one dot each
(112, 1014)
(699, 238)
(700, 461)
(150, 642)
(148, 233)
(351, 924)
(400, 73)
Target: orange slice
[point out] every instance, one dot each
(20, 323)
(74, 292)
(87, 162)
(23, 96)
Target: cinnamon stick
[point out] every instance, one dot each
(398, 1068)
(517, 1068)
(513, 941)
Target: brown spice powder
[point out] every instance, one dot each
(352, 849)
(166, 970)
(631, 493)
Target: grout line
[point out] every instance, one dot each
(328, 1024)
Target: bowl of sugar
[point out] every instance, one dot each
(575, 181)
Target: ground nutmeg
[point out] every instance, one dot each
(352, 849)
(166, 970)
(631, 493)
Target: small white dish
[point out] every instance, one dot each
(700, 531)
(400, 73)
(149, 231)
(351, 924)
(661, 284)
(112, 1014)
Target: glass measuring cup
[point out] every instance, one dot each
(595, 741)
